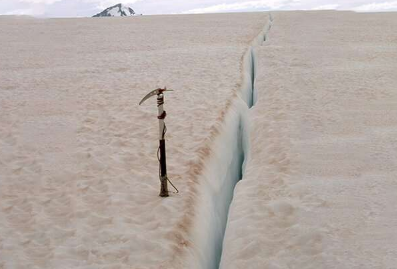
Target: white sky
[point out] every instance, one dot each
(81, 8)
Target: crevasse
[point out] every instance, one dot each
(225, 166)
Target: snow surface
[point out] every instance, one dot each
(78, 170)
(319, 188)
(118, 11)
(115, 12)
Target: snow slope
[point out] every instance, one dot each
(78, 169)
(319, 188)
(118, 10)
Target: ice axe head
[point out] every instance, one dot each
(153, 93)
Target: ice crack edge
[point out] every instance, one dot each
(226, 164)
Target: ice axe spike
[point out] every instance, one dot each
(153, 93)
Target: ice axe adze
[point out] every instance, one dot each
(162, 130)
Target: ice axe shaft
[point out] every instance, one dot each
(162, 159)
(162, 130)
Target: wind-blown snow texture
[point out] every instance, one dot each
(79, 175)
(319, 189)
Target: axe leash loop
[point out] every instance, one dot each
(158, 158)
(160, 101)
(162, 116)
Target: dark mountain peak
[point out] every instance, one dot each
(118, 10)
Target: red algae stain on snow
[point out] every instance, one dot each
(184, 227)
(82, 172)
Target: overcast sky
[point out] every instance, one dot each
(82, 8)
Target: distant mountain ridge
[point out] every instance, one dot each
(118, 10)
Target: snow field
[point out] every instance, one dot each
(319, 186)
(78, 167)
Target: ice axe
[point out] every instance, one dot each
(162, 130)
